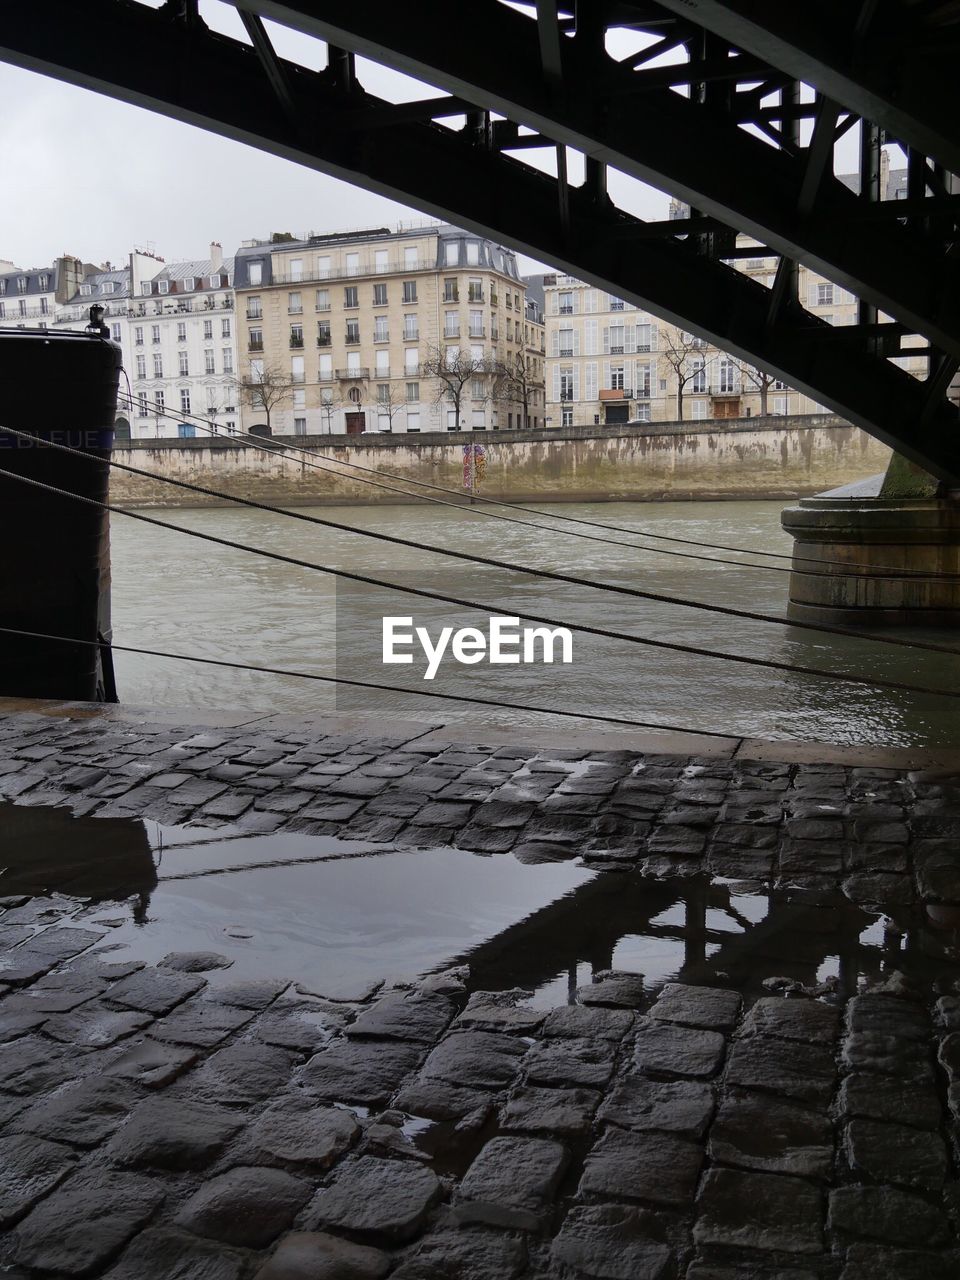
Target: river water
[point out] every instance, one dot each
(174, 592)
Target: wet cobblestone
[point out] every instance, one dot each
(169, 1120)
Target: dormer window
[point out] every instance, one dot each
(86, 290)
(44, 283)
(146, 288)
(3, 287)
(164, 286)
(21, 284)
(214, 282)
(108, 287)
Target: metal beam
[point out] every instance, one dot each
(695, 153)
(887, 73)
(441, 172)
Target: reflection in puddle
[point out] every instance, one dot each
(339, 917)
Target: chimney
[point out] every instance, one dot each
(216, 257)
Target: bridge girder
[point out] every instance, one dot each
(326, 121)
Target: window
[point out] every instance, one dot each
(43, 281)
(353, 331)
(566, 416)
(476, 324)
(141, 366)
(323, 268)
(141, 404)
(824, 295)
(296, 268)
(473, 253)
(256, 370)
(383, 392)
(146, 288)
(451, 324)
(296, 335)
(225, 328)
(255, 341)
(114, 328)
(451, 419)
(413, 393)
(476, 355)
(411, 257)
(381, 263)
(294, 304)
(475, 290)
(409, 290)
(450, 356)
(565, 306)
(297, 373)
(352, 264)
(413, 421)
(478, 420)
(354, 395)
(326, 368)
(181, 331)
(699, 410)
(159, 401)
(45, 310)
(212, 398)
(323, 300)
(209, 362)
(450, 291)
(780, 404)
(616, 339)
(451, 253)
(323, 333)
(494, 327)
(644, 337)
(566, 384)
(698, 382)
(616, 377)
(254, 310)
(299, 426)
(478, 390)
(184, 399)
(642, 387)
(350, 296)
(138, 336)
(728, 375)
(381, 332)
(299, 399)
(565, 342)
(21, 303)
(383, 363)
(163, 286)
(155, 333)
(411, 360)
(227, 360)
(411, 328)
(157, 365)
(183, 361)
(22, 285)
(213, 282)
(186, 430)
(379, 295)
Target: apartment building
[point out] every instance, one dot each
(356, 331)
(175, 326)
(29, 298)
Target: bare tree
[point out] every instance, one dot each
(266, 387)
(514, 383)
(763, 381)
(678, 349)
(389, 405)
(451, 371)
(330, 402)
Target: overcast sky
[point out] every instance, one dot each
(91, 176)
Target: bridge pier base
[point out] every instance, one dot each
(884, 552)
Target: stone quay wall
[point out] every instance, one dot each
(786, 457)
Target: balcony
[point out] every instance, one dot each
(644, 346)
(494, 299)
(475, 295)
(296, 344)
(616, 393)
(322, 306)
(617, 350)
(352, 338)
(566, 351)
(323, 340)
(723, 390)
(566, 310)
(568, 395)
(382, 374)
(451, 333)
(294, 311)
(616, 306)
(255, 344)
(254, 315)
(453, 296)
(478, 333)
(642, 393)
(353, 375)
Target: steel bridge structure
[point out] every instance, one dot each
(735, 108)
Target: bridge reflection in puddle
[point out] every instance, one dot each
(339, 916)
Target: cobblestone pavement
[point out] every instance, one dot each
(165, 1121)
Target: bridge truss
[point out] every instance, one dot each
(728, 129)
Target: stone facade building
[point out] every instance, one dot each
(348, 332)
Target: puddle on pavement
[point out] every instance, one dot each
(340, 916)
